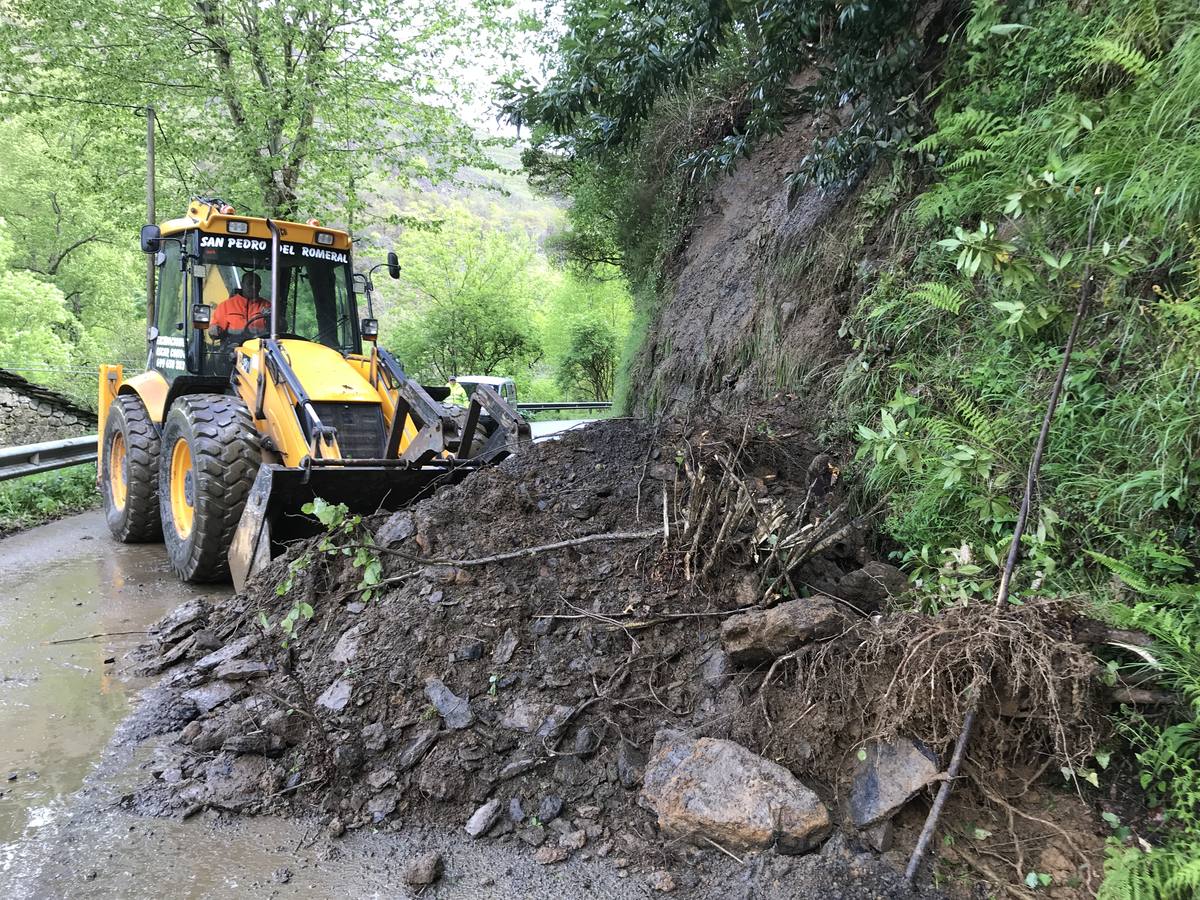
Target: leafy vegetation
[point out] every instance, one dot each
(35, 499)
(1058, 144)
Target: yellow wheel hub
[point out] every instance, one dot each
(118, 478)
(183, 489)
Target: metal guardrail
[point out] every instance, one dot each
(30, 459)
(568, 404)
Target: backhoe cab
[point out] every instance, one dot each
(230, 430)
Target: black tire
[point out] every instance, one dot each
(222, 459)
(131, 471)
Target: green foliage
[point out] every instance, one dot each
(464, 304)
(1168, 755)
(278, 108)
(34, 499)
(617, 61)
(345, 537)
(591, 358)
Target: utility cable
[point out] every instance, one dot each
(111, 105)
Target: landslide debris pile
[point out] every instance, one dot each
(609, 693)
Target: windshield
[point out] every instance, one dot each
(314, 287)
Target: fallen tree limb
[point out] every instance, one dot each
(527, 551)
(1086, 287)
(99, 634)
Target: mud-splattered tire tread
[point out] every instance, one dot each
(139, 521)
(226, 454)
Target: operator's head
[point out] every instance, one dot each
(251, 284)
(453, 380)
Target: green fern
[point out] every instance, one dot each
(939, 295)
(978, 421)
(1118, 52)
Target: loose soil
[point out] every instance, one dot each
(539, 680)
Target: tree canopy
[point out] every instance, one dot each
(278, 107)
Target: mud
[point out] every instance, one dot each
(515, 701)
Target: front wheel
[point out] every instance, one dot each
(129, 472)
(210, 457)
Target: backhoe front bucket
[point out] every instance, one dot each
(272, 517)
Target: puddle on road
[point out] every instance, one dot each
(60, 702)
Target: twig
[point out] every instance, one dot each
(99, 634)
(1086, 287)
(728, 853)
(527, 551)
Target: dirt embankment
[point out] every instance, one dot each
(609, 647)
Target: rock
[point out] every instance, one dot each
(550, 808)
(763, 635)
(586, 742)
(880, 837)
(204, 641)
(887, 779)
(867, 588)
(231, 782)
(468, 652)
(454, 710)
(716, 668)
(483, 818)
(209, 696)
(505, 647)
(381, 778)
(346, 648)
(241, 670)
(631, 762)
(516, 811)
(335, 697)
(573, 840)
(398, 527)
(719, 790)
(661, 881)
(374, 737)
(172, 657)
(232, 650)
(281, 875)
(336, 828)
(382, 805)
(181, 621)
(523, 715)
(347, 758)
(555, 722)
(416, 749)
(549, 855)
(424, 869)
(517, 767)
(534, 835)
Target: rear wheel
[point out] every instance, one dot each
(129, 472)
(210, 457)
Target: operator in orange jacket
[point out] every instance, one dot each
(243, 310)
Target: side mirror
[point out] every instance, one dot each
(151, 238)
(393, 264)
(369, 329)
(201, 316)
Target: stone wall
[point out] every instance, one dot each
(30, 413)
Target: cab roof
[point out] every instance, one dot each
(211, 217)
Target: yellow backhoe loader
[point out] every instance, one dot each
(249, 410)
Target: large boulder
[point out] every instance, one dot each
(869, 587)
(718, 790)
(766, 634)
(887, 777)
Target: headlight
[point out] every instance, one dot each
(325, 238)
(236, 227)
